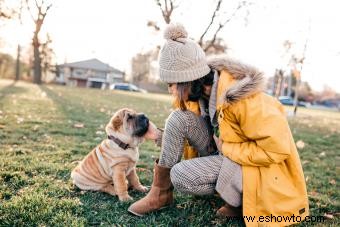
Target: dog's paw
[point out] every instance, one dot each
(125, 198)
(141, 188)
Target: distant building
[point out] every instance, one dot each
(88, 73)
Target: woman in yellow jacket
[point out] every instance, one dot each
(257, 171)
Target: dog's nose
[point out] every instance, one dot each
(143, 118)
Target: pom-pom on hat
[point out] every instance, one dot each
(181, 59)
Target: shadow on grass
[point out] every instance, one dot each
(11, 89)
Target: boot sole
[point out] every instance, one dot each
(141, 215)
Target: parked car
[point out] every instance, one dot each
(127, 87)
(287, 100)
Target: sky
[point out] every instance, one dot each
(114, 31)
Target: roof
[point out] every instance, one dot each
(93, 64)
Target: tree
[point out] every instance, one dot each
(5, 12)
(279, 82)
(7, 64)
(214, 41)
(41, 10)
(214, 45)
(47, 55)
(279, 79)
(140, 67)
(166, 8)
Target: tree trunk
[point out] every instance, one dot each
(289, 91)
(296, 95)
(279, 82)
(37, 61)
(17, 68)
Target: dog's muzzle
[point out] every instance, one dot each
(142, 125)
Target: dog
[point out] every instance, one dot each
(111, 166)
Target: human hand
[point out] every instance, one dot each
(158, 141)
(152, 133)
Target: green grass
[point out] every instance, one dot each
(39, 147)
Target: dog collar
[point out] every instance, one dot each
(118, 142)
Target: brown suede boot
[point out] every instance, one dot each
(160, 195)
(229, 211)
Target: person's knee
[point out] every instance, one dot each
(174, 175)
(177, 177)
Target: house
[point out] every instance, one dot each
(88, 73)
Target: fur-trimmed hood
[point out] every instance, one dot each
(249, 79)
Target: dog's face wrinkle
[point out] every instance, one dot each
(133, 124)
(128, 117)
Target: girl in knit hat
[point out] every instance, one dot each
(256, 171)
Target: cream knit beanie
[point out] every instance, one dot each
(181, 59)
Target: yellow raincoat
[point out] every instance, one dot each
(256, 134)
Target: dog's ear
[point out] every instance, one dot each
(116, 122)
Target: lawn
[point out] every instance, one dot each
(45, 130)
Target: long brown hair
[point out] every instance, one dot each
(192, 90)
(182, 94)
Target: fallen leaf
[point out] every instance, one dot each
(305, 162)
(307, 178)
(328, 216)
(333, 182)
(322, 154)
(139, 169)
(300, 144)
(2, 126)
(102, 110)
(180, 207)
(1, 112)
(20, 120)
(78, 125)
(313, 193)
(99, 132)
(75, 162)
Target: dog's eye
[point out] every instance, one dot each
(129, 117)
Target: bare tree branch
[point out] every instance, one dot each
(200, 42)
(167, 11)
(37, 5)
(29, 10)
(4, 15)
(154, 25)
(221, 25)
